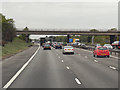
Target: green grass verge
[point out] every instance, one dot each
(0, 52)
(16, 46)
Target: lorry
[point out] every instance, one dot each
(74, 41)
(70, 40)
(42, 41)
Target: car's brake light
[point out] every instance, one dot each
(65, 49)
(72, 49)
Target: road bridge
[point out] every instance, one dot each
(50, 32)
(69, 32)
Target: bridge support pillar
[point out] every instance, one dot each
(27, 38)
(119, 37)
(89, 38)
(112, 38)
(93, 40)
(68, 36)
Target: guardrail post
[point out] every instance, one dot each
(111, 52)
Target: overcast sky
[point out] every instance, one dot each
(99, 14)
(59, 0)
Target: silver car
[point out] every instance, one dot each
(108, 46)
(68, 49)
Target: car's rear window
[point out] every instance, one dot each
(68, 47)
(47, 45)
(103, 48)
(107, 45)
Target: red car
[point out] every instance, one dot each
(101, 51)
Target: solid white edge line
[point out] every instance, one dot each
(18, 73)
(112, 67)
(78, 82)
(67, 67)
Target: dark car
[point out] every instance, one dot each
(58, 46)
(47, 47)
(43, 44)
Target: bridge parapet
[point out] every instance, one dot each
(51, 32)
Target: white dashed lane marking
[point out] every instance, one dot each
(112, 67)
(67, 67)
(59, 57)
(78, 82)
(95, 61)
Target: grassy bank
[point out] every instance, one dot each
(12, 48)
(0, 52)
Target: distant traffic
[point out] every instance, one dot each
(68, 48)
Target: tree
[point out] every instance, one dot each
(61, 38)
(83, 38)
(113, 29)
(26, 29)
(23, 36)
(8, 30)
(94, 30)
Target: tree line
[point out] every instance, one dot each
(8, 29)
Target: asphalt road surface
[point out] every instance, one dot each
(52, 69)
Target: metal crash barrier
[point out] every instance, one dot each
(115, 52)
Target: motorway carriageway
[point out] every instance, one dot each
(52, 69)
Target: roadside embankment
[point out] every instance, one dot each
(16, 46)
